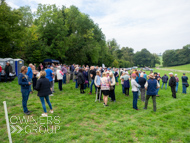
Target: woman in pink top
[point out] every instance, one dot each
(105, 87)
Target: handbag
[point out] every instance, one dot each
(86, 82)
(187, 85)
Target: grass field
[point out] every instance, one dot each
(83, 120)
(183, 67)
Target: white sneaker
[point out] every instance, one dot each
(51, 111)
(44, 115)
(51, 95)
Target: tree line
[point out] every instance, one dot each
(177, 57)
(64, 34)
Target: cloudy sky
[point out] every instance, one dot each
(153, 24)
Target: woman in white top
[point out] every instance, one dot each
(112, 87)
(97, 83)
(135, 86)
(59, 77)
(105, 87)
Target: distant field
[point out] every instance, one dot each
(183, 67)
(160, 62)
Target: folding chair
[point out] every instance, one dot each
(97, 95)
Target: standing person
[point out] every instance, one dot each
(43, 87)
(122, 82)
(92, 74)
(97, 83)
(0, 72)
(142, 82)
(68, 75)
(135, 87)
(64, 70)
(30, 75)
(72, 69)
(53, 82)
(177, 82)
(81, 81)
(59, 77)
(8, 70)
(172, 84)
(76, 76)
(105, 87)
(184, 83)
(145, 75)
(164, 81)
(116, 74)
(40, 67)
(157, 77)
(85, 73)
(49, 75)
(25, 88)
(34, 77)
(112, 87)
(126, 84)
(151, 85)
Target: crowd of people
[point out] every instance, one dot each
(101, 81)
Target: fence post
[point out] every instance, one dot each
(7, 121)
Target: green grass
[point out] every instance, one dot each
(183, 67)
(83, 120)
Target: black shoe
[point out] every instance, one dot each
(83, 91)
(27, 113)
(144, 108)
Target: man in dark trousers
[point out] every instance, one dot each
(164, 81)
(172, 84)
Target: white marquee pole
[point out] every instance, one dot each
(7, 121)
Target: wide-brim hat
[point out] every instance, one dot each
(151, 75)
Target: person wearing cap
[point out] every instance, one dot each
(184, 83)
(177, 82)
(59, 77)
(135, 87)
(172, 84)
(151, 86)
(164, 81)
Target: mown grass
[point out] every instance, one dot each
(83, 120)
(183, 67)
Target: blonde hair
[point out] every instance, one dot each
(111, 74)
(42, 73)
(23, 68)
(104, 74)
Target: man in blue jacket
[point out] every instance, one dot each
(30, 75)
(164, 81)
(25, 88)
(151, 85)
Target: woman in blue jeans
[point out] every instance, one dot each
(43, 88)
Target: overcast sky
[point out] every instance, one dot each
(157, 25)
